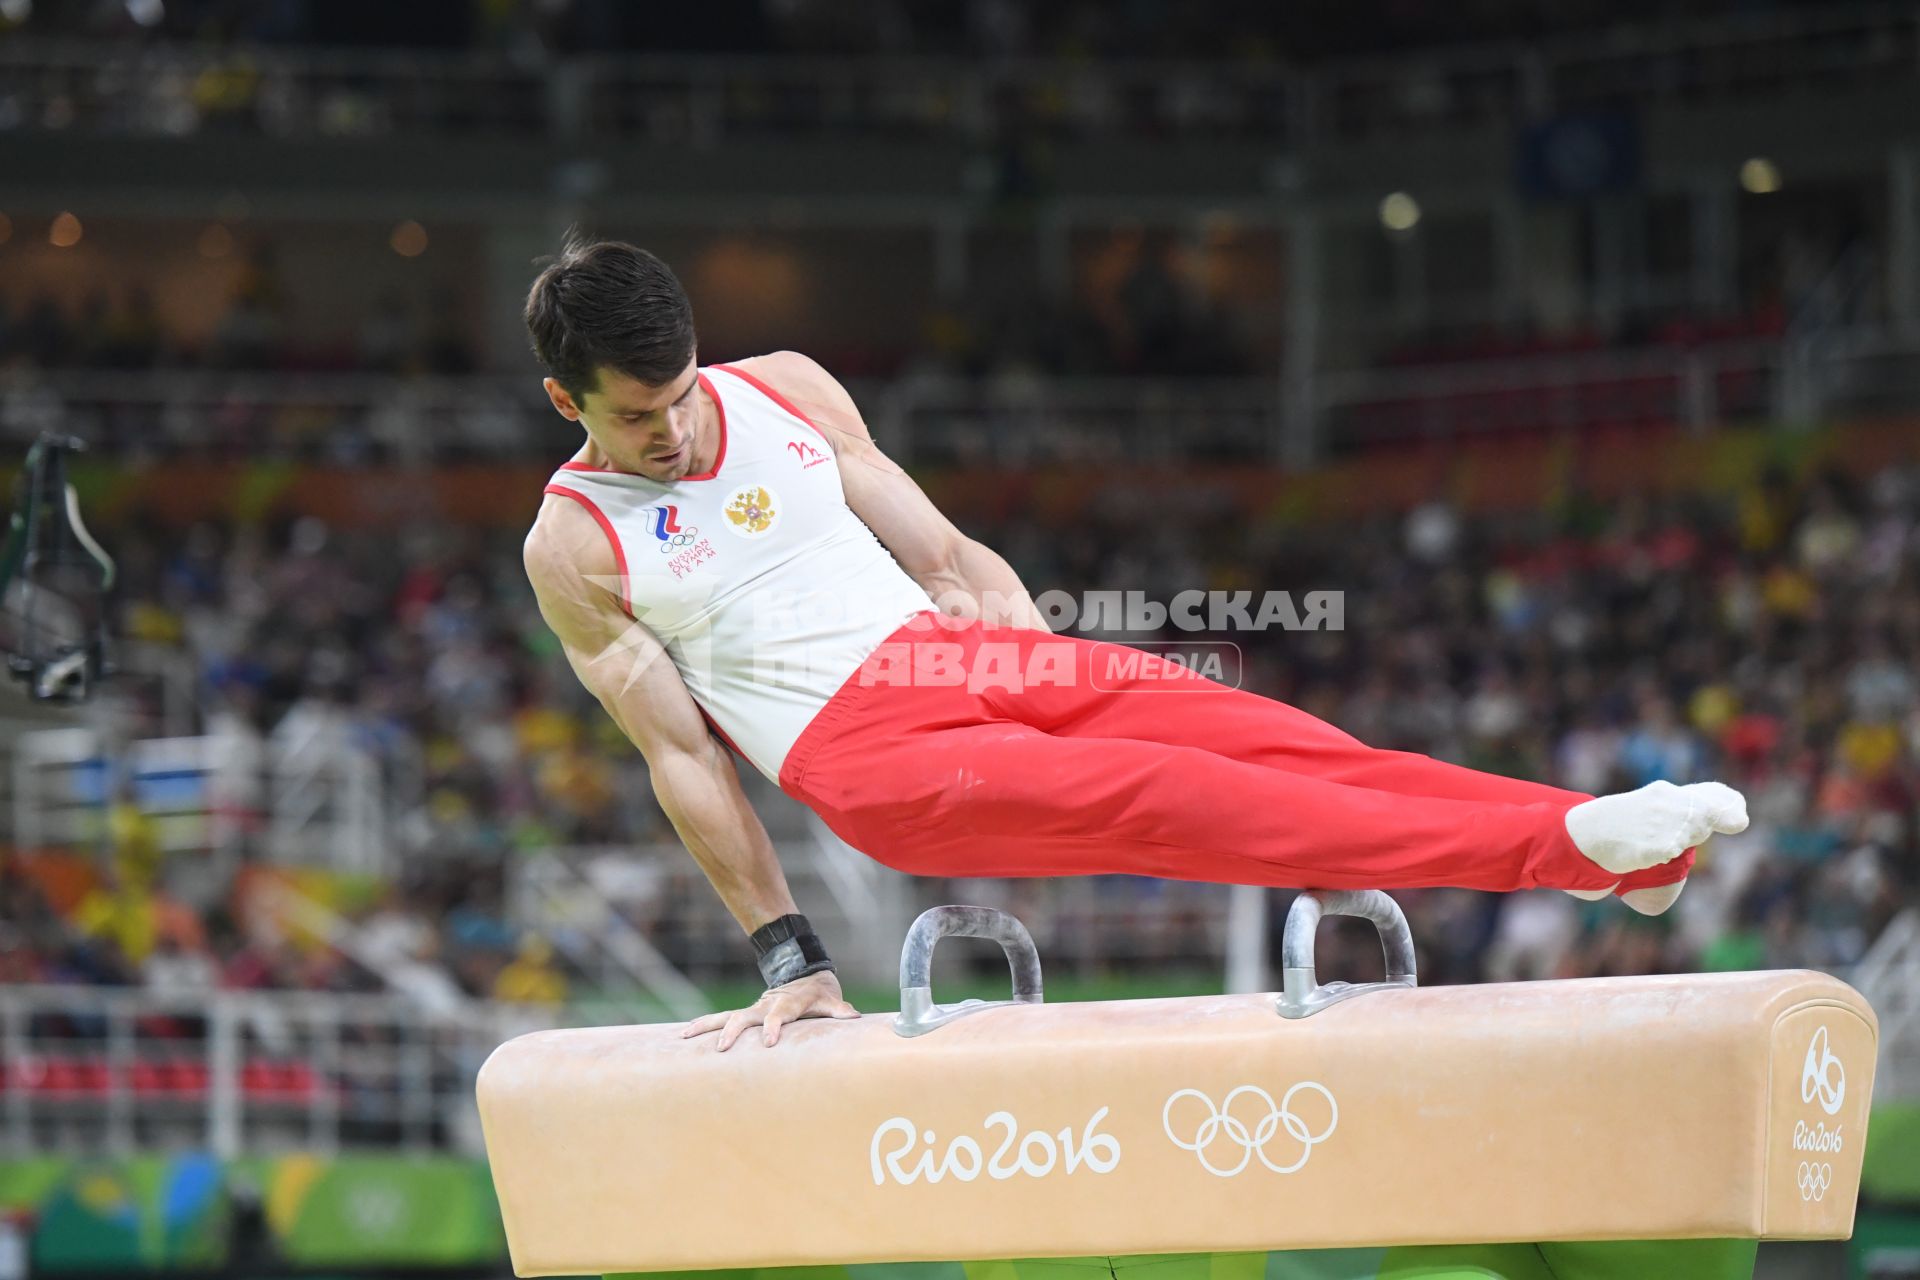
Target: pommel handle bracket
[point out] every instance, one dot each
(1300, 995)
(918, 1012)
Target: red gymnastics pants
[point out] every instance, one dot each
(964, 750)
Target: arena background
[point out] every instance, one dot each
(1575, 343)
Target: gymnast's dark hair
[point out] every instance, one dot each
(603, 303)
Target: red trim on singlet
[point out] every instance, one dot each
(606, 527)
(777, 398)
(718, 458)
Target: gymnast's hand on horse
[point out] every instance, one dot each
(815, 996)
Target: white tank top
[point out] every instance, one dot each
(764, 586)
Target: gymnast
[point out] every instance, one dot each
(821, 618)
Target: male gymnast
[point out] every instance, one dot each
(821, 618)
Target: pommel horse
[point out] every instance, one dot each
(1713, 1107)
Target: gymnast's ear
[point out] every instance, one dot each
(563, 401)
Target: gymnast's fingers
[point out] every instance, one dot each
(704, 1023)
(787, 1006)
(737, 1022)
(776, 1008)
(813, 1004)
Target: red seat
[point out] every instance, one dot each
(66, 1077)
(257, 1079)
(279, 1081)
(52, 1075)
(187, 1077)
(300, 1080)
(147, 1078)
(95, 1077)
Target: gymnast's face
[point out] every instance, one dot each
(662, 433)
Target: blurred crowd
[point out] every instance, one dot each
(1769, 642)
(1767, 638)
(1156, 316)
(437, 938)
(1155, 319)
(1247, 29)
(426, 656)
(1007, 76)
(122, 329)
(1145, 302)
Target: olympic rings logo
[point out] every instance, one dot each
(676, 541)
(1814, 1180)
(1822, 1078)
(1220, 1122)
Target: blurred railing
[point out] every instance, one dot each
(1889, 977)
(178, 88)
(96, 1069)
(1697, 387)
(338, 418)
(1088, 926)
(1028, 421)
(1017, 421)
(703, 102)
(579, 901)
(1797, 50)
(319, 803)
(241, 1072)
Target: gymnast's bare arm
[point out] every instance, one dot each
(964, 577)
(623, 664)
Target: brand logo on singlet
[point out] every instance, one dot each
(751, 510)
(663, 523)
(808, 455)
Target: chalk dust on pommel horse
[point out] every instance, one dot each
(1655, 1108)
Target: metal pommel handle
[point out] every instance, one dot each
(1300, 995)
(918, 1013)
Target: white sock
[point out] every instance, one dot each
(1654, 899)
(1650, 901)
(1659, 822)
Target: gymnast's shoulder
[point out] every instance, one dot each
(811, 391)
(564, 552)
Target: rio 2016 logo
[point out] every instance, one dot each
(1823, 1081)
(1036, 1155)
(1822, 1078)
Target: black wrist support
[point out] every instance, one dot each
(788, 948)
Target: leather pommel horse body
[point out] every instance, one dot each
(1722, 1105)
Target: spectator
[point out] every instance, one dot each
(532, 977)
